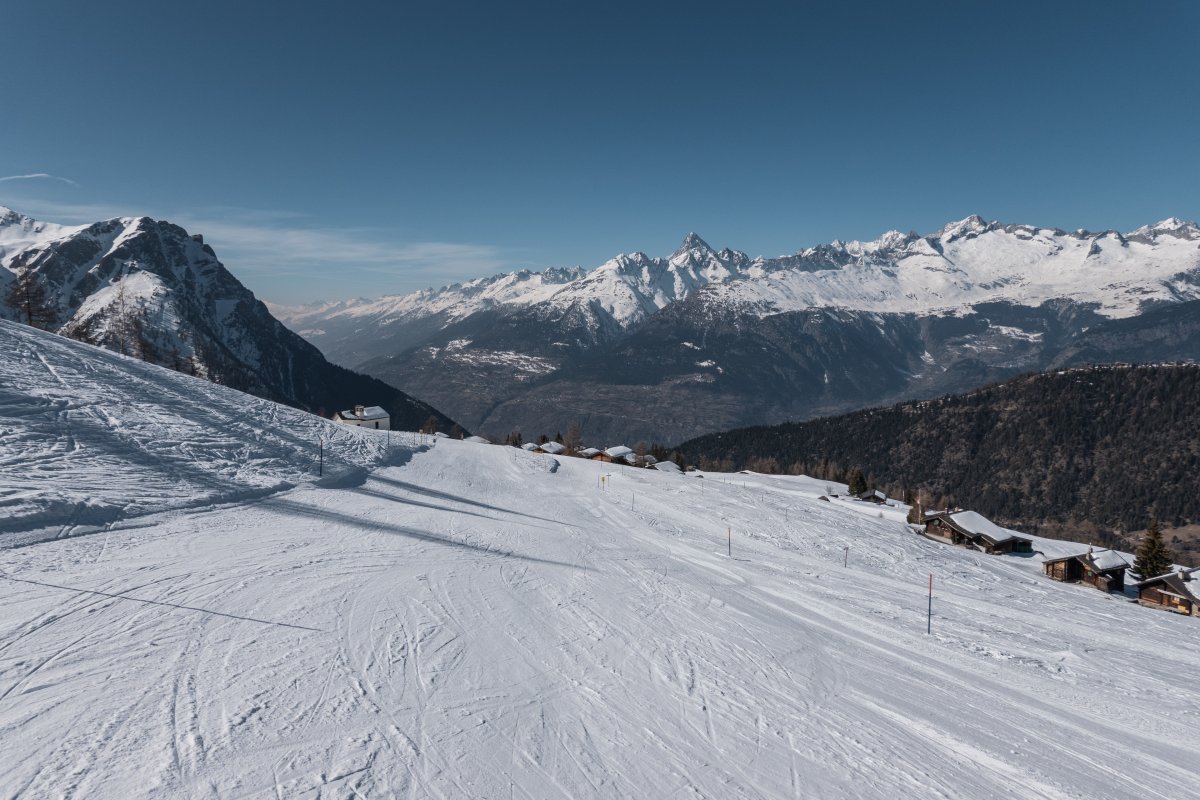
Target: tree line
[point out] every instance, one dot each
(1086, 453)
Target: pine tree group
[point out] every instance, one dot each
(1153, 557)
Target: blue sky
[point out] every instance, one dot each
(333, 150)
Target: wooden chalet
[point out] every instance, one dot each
(969, 529)
(1172, 591)
(874, 496)
(1104, 569)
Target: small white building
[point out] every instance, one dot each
(553, 448)
(372, 417)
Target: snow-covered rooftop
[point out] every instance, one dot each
(620, 451)
(553, 448)
(1107, 559)
(976, 523)
(367, 413)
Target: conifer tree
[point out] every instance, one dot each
(858, 482)
(915, 515)
(1153, 557)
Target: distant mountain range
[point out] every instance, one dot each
(664, 349)
(149, 289)
(1090, 453)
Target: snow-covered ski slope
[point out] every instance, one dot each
(89, 438)
(479, 621)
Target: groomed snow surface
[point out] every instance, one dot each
(89, 437)
(471, 620)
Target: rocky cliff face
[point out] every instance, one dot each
(148, 289)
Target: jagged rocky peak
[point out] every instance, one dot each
(693, 242)
(973, 224)
(10, 218)
(1172, 226)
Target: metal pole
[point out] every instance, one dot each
(846, 559)
(929, 618)
(729, 540)
(321, 456)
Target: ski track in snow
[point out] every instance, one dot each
(90, 439)
(490, 623)
(466, 620)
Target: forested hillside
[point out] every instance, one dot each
(1093, 452)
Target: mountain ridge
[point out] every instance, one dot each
(666, 348)
(148, 288)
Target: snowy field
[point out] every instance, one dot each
(468, 620)
(90, 438)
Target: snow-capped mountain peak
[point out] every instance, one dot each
(963, 227)
(966, 262)
(1172, 226)
(693, 242)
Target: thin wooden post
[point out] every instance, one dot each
(929, 618)
(729, 541)
(846, 559)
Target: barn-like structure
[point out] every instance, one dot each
(970, 529)
(1104, 569)
(1174, 591)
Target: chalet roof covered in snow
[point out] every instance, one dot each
(529, 446)
(1178, 583)
(620, 451)
(1105, 560)
(477, 439)
(973, 522)
(668, 466)
(1098, 560)
(553, 448)
(364, 414)
(588, 452)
